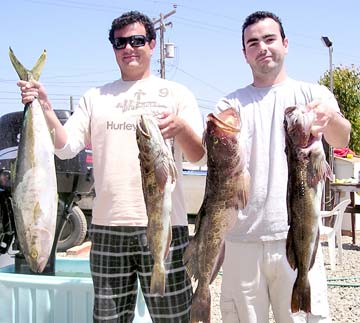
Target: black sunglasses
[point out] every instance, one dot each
(134, 41)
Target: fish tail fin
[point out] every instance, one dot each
(19, 68)
(38, 67)
(201, 306)
(301, 298)
(24, 73)
(157, 285)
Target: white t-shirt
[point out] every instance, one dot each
(262, 116)
(106, 119)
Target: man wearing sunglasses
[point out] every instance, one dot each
(106, 118)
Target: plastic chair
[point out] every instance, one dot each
(332, 232)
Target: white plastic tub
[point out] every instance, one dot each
(66, 297)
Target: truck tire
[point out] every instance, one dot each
(74, 230)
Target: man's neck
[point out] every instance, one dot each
(135, 77)
(269, 79)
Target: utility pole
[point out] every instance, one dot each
(329, 151)
(71, 104)
(162, 28)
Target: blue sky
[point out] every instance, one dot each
(207, 37)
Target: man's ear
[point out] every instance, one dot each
(152, 43)
(244, 52)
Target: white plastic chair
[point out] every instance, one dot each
(332, 232)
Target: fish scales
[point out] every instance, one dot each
(158, 173)
(307, 167)
(34, 191)
(226, 192)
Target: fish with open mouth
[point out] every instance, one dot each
(158, 173)
(307, 169)
(226, 192)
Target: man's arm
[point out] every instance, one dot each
(337, 132)
(330, 122)
(173, 126)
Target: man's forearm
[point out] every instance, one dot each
(54, 124)
(337, 132)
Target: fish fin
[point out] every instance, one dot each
(173, 174)
(157, 283)
(165, 167)
(201, 306)
(243, 190)
(200, 215)
(19, 68)
(290, 254)
(38, 67)
(52, 135)
(37, 212)
(315, 250)
(190, 258)
(318, 170)
(162, 171)
(219, 261)
(24, 73)
(173, 170)
(169, 239)
(301, 297)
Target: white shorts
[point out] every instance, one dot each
(257, 275)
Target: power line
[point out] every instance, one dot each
(206, 26)
(77, 5)
(202, 81)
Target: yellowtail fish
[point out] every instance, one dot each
(34, 191)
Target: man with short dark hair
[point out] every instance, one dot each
(106, 119)
(256, 272)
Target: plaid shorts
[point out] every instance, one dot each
(119, 258)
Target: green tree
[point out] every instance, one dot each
(347, 92)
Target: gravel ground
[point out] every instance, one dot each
(343, 300)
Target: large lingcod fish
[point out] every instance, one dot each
(226, 192)
(307, 169)
(34, 191)
(158, 173)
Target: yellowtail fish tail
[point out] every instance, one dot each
(157, 285)
(24, 73)
(201, 306)
(300, 299)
